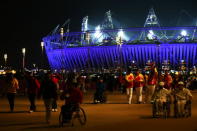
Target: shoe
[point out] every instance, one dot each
(31, 111)
(55, 110)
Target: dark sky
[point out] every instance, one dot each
(23, 24)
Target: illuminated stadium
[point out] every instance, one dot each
(107, 47)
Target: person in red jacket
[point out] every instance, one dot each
(33, 87)
(139, 83)
(151, 84)
(168, 80)
(73, 97)
(54, 78)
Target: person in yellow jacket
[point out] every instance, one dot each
(139, 83)
(129, 85)
(11, 86)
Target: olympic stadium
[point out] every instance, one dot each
(107, 47)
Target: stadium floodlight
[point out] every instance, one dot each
(150, 35)
(23, 52)
(120, 33)
(183, 33)
(62, 31)
(97, 33)
(5, 57)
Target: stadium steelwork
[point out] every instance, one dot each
(107, 47)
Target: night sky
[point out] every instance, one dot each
(23, 24)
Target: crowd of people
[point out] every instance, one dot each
(50, 85)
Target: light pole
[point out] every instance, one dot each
(5, 57)
(23, 51)
(42, 47)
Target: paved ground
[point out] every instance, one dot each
(115, 115)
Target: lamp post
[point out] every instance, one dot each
(23, 52)
(42, 47)
(5, 58)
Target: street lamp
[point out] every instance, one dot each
(5, 57)
(42, 46)
(23, 51)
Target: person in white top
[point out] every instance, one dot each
(182, 95)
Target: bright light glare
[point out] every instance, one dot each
(150, 34)
(97, 34)
(5, 56)
(184, 33)
(120, 33)
(42, 44)
(23, 50)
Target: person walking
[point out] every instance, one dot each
(139, 83)
(11, 86)
(56, 81)
(33, 87)
(49, 94)
(129, 85)
(168, 80)
(151, 84)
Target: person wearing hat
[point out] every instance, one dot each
(182, 95)
(161, 95)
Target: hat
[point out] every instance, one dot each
(180, 83)
(161, 83)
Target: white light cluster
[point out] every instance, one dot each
(150, 35)
(97, 34)
(184, 33)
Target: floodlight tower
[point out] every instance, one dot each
(84, 28)
(151, 21)
(194, 31)
(108, 24)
